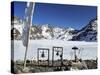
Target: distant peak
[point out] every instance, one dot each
(70, 28)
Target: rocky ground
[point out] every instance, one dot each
(33, 67)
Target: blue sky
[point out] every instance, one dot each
(60, 15)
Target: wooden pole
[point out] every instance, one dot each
(25, 57)
(38, 56)
(52, 56)
(48, 57)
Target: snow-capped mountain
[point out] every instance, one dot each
(16, 28)
(88, 33)
(48, 32)
(41, 32)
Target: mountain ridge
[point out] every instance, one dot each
(87, 33)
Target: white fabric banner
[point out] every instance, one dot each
(28, 22)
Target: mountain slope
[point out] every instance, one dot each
(88, 33)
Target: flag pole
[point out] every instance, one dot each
(25, 56)
(30, 12)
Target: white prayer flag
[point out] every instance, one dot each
(28, 22)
